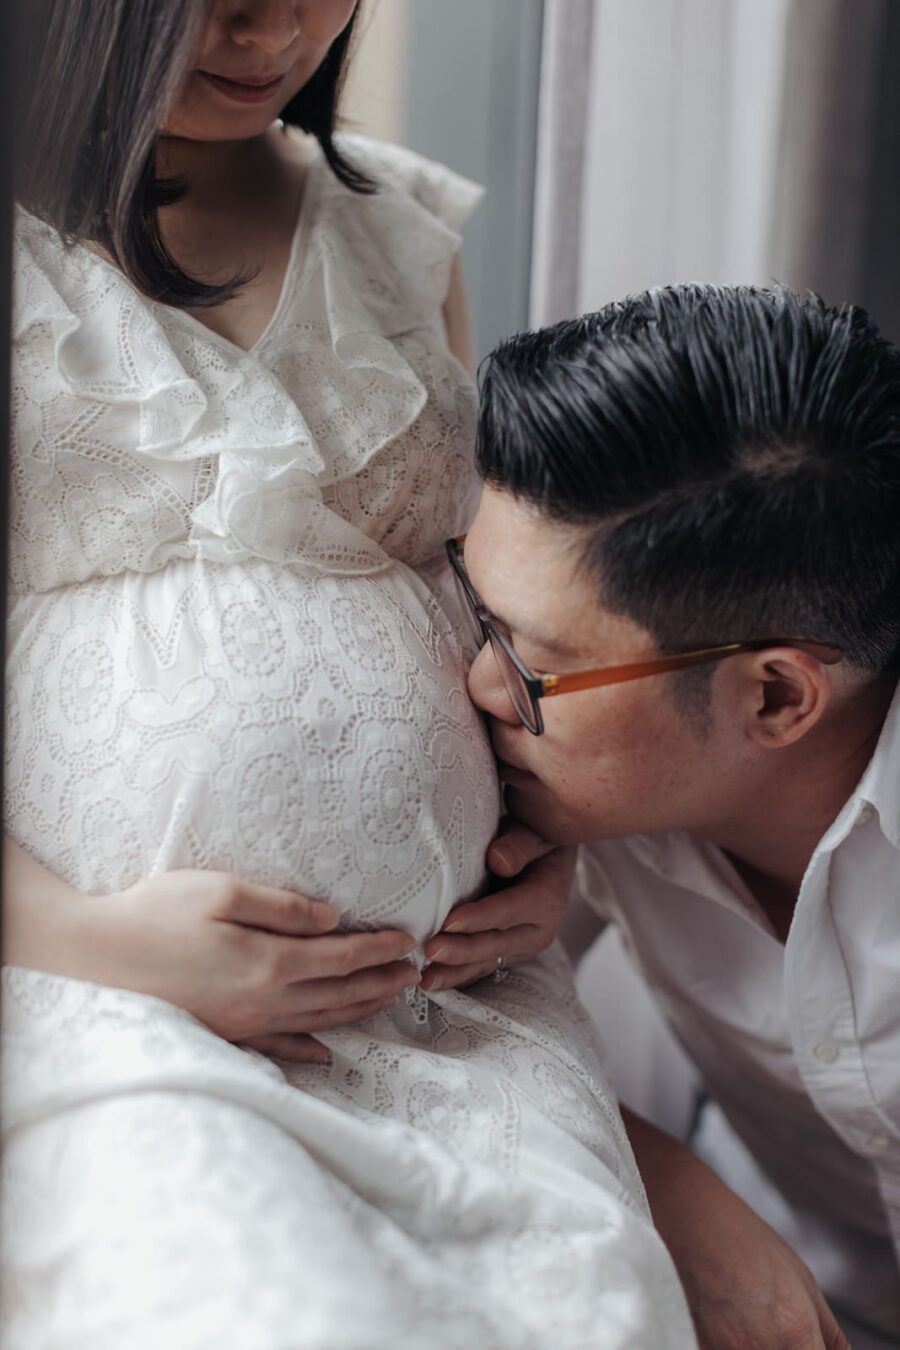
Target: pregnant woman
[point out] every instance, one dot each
(241, 438)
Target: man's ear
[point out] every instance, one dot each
(785, 692)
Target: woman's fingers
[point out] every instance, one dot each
(340, 955)
(366, 985)
(328, 1018)
(288, 1037)
(514, 848)
(276, 910)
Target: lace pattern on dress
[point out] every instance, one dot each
(232, 644)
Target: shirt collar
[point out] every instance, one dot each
(696, 866)
(680, 858)
(879, 788)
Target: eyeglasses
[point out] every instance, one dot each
(525, 688)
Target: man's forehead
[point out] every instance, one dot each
(529, 570)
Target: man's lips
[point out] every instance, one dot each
(512, 774)
(509, 771)
(248, 90)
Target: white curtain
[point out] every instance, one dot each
(714, 140)
(562, 157)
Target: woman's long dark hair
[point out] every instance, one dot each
(100, 76)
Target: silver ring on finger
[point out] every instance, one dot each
(502, 971)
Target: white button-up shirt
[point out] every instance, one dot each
(799, 1044)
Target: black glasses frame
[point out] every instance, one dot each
(536, 687)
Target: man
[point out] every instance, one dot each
(687, 564)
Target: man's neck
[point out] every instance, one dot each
(772, 842)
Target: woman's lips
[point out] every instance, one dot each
(240, 92)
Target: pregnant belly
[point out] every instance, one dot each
(303, 731)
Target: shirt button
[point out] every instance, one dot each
(827, 1051)
(876, 1143)
(865, 815)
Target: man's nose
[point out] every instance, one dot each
(487, 689)
(271, 25)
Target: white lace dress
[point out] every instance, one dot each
(227, 650)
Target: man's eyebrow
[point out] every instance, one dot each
(547, 642)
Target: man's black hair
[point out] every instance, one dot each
(735, 452)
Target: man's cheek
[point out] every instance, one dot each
(565, 786)
(593, 790)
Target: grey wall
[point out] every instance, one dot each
(880, 291)
(472, 90)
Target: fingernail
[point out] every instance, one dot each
(438, 954)
(501, 857)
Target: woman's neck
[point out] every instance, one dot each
(213, 170)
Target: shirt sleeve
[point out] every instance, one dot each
(586, 918)
(593, 886)
(446, 195)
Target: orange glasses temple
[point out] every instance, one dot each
(596, 679)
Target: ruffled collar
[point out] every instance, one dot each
(185, 392)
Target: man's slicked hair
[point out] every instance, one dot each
(735, 453)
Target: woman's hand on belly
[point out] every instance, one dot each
(257, 965)
(517, 921)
